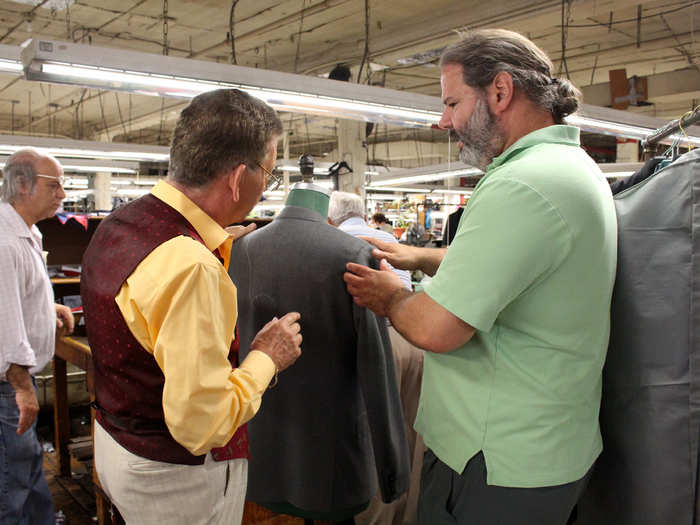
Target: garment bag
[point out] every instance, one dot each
(650, 413)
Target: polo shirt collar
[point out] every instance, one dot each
(213, 235)
(555, 134)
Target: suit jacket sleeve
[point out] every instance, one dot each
(377, 375)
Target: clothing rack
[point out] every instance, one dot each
(685, 121)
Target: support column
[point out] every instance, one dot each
(352, 149)
(101, 184)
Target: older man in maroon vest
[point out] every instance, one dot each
(172, 400)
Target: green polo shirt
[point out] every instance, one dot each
(531, 268)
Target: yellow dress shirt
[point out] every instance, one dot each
(180, 305)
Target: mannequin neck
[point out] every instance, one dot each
(311, 197)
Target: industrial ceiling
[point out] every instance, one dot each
(395, 44)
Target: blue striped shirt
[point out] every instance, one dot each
(357, 227)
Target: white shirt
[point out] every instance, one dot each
(356, 226)
(27, 312)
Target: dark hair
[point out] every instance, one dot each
(379, 217)
(486, 52)
(216, 132)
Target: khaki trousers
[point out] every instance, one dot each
(148, 492)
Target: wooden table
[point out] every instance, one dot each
(76, 351)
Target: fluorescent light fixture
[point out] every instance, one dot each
(90, 166)
(146, 182)
(65, 148)
(609, 128)
(424, 174)
(131, 192)
(151, 74)
(385, 197)
(97, 169)
(73, 195)
(76, 182)
(627, 124)
(295, 169)
(10, 59)
(466, 192)
(393, 188)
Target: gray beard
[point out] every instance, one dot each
(482, 138)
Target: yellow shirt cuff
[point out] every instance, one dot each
(259, 365)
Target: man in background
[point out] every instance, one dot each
(346, 212)
(32, 190)
(380, 223)
(171, 444)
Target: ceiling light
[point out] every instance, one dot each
(10, 66)
(96, 169)
(465, 192)
(73, 195)
(295, 169)
(65, 148)
(144, 73)
(131, 192)
(607, 121)
(385, 197)
(393, 188)
(10, 60)
(424, 174)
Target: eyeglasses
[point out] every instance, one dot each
(61, 179)
(273, 181)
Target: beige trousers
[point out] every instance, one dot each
(408, 360)
(148, 492)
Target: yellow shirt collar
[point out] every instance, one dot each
(213, 235)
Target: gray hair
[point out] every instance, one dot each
(344, 206)
(19, 175)
(216, 132)
(486, 52)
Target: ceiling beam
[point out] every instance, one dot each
(661, 88)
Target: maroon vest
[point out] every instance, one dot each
(128, 381)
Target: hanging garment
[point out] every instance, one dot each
(650, 413)
(333, 426)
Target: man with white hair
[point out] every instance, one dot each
(32, 190)
(346, 212)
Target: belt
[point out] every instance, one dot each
(132, 425)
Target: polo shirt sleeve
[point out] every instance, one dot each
(509, 239)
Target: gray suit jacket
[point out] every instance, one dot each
(335, 417)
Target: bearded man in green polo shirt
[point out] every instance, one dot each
(515, 322)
